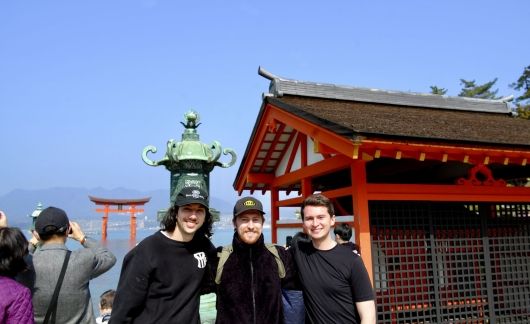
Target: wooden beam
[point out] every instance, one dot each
(290, 202)
(275, 214)
(447, 193)
(256, 140)
(112, 210)
(336, 142)
(266, 178)
(270, 151)
(303, 151)
(290, 225)
(450, 149)
(361, 215)
(293, 151)
(297, 201)
(341, 192)
(323, 149)
(335, 163)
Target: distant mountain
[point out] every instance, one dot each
(19, 203)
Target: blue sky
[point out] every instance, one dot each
(86, 85)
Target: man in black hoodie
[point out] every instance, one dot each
(249, 288)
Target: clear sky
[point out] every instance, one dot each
(86, 85)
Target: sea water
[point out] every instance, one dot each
(119, 244)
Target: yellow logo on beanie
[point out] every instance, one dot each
(249, 203)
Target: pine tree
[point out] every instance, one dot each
(438, 91)
(522, 102)
(471, 90)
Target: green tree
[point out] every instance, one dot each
(483, 91)
(522, 102)
(438, 91)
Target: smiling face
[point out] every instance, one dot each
(249, 226)
(189, 219)
(318, 223)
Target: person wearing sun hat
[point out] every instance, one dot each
(161, 278)
(249, 288)
(74, 303)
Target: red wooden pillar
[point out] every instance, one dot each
(132, 210)
(275, 214)
(361, 217)
(307, 190)
(105, 223)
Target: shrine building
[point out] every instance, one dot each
(435, 187)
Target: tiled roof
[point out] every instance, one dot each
(280, 86)
(356, 111)
(349, 118)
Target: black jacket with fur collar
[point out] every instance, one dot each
(250, 288)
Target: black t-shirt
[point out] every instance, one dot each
(332, 281)
(160, 281)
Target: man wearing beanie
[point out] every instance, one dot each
(161, 277)
(73, 304)
(249, 286)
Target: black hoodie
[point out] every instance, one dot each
(250, 288)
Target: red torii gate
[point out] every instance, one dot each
(132, 210)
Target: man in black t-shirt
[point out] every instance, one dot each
(335, 282)
(161, 278)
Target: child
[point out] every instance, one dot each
(105, 306)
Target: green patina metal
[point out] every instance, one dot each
(34, 216)
(190, 161)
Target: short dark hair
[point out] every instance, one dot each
(317, 200)
(13, 249)
(107, 299)
(288, 241)
(169, 222)
(343, 230)
(59, 233)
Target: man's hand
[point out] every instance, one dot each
(3, 219)
(76, 233)
(34, 240)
